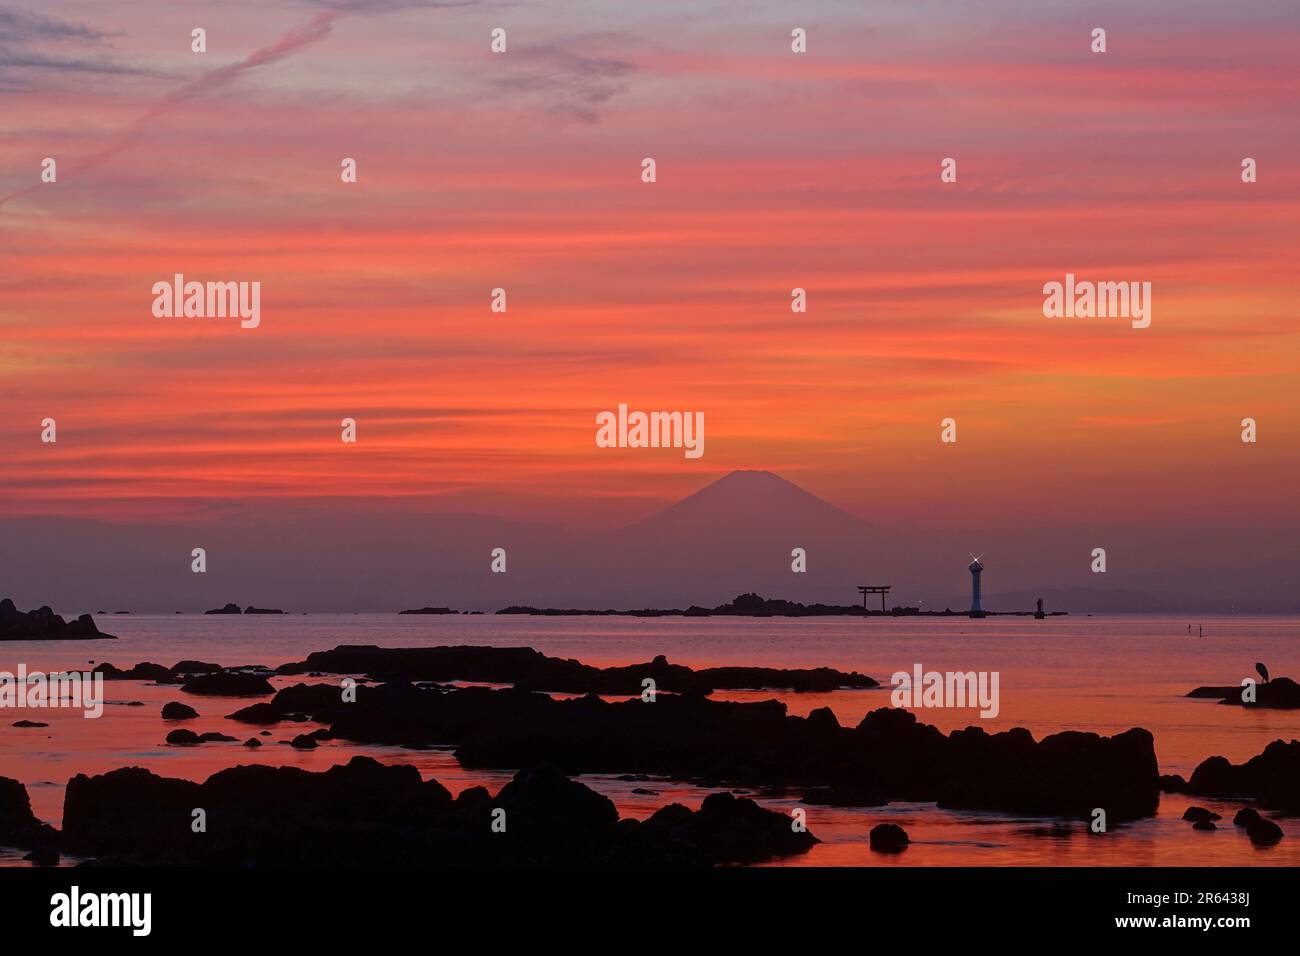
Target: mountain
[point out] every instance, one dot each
(732, 536)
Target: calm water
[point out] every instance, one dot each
(1104, 674)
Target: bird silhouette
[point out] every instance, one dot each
(1263, 672)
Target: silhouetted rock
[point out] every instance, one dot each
(304, 742)
(366, 813)
(1172, 783)
(1200, 813)
(261, 610)
(321, 702)
(1203, 825)
(43, 624)
(252, 742)
(144, 671)
(1262, 832)
(184, 737)
(177, 711)
(194, 667)
(888, 838)
(889, 754)
(18, 825)
(1245, 816)
(1280, 693)
(228, 609)
(29, 723)
(529, 670)
(226, 684)
(428, 610)
(1271, 777)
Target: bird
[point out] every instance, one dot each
(1263, 672)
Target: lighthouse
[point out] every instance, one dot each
(975, 569)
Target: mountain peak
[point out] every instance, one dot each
(747, 498)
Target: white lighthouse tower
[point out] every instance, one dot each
(975, 569)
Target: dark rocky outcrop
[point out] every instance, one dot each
(366, 813)
(262, 610)
(144, 671)
(1271, 777)
(18, 825)
(28, 724)
(178, 711)
(189, 738)
(428, 610)
(1280, 693)
(43, 624)
(528, 669)
(231, 608)
(888, 838)
(1172, 783)
(187, 667)
(889, 754)
(1199, 813)
(228, 684)
(300, 702)
(1262, 832)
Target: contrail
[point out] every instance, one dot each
(313, 31)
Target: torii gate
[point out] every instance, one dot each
(866, 589)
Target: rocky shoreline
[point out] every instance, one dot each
(665, 725)
(43, 624)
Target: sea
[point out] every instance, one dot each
(1103, 673)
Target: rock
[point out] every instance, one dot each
(29, 723)
(1280, 693)
(1264, 832)
(43, 624)
(228, 609)
(252, 742)
(386, 815)
(1246, 816)
(182, 737)
(429, 610)
(1199, 813)
(18, 825)
(178, 711)
(888, 838)
(529, 670)
(194, 667)
(226, 684)
(261, 610)
(143, 671)
(304, 742)
(44, 856)
(1203, 825)
(1172, 783)
(1272, 777)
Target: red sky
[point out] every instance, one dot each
(775, 170)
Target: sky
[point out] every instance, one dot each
(775, 170)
